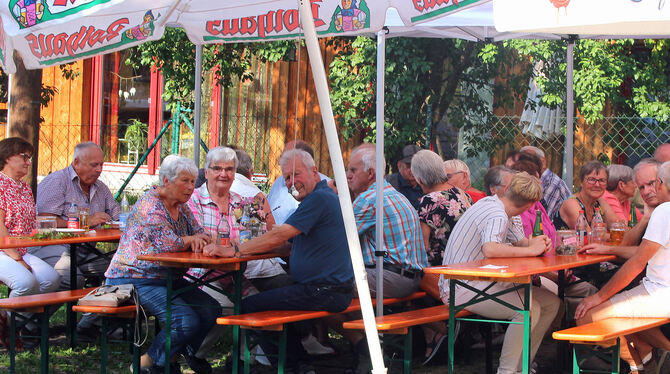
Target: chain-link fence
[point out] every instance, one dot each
(615, 140)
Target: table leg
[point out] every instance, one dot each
(562, 346)
(526, 329)
(12, 342)
(44, 341)
(70, 316)
(237, 309)
(168, 321)
(451, 327)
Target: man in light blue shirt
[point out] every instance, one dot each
(281, 201)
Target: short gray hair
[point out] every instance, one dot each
(535, 150)
(494, 177)
(457, 165)
(664, 172)
(220, 154)
(646, 162)
(287, 156)
(618, 173)
(427, 167)
(245, 165)
(173, 165)
(80, 148)
(368, 153)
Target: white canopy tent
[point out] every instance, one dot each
(50, 32)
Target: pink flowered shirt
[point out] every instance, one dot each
(16, 199)
(440, 210)
(150, 230)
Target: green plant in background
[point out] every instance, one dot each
(136, 135)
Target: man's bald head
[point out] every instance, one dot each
(662, 153)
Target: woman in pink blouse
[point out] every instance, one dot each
(22, 272)
(620, 189)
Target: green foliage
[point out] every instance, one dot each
(136, 134)
(428, 81)
(175, 55)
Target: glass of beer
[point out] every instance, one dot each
(83, 219)
(617, 229)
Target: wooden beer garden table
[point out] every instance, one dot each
(176, 262)
(93, 236)
(517, 270)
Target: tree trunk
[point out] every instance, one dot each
(24, 110)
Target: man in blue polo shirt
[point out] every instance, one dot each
(320, 261)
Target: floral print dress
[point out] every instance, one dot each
(440, 210)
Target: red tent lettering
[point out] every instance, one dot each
(56, 45)
(423, 5)
(261, 25)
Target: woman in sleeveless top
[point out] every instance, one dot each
(593, 176)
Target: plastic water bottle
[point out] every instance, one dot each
(599, 228)
(581, 228)
(73, 217)
(125, 211)
(223, 231)
(245, 222)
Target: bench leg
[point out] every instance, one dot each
(615, 357)
(247, 358)
(282, 350)
(407, 358)
(44, 341)
(12, 342)
(488, 348)
(614, 351)
(103, 346)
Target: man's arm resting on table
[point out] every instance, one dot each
(634, 235)
(275, 240)
(617, 250)
(536, 246)
(628, 271)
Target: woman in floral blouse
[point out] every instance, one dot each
(439, 209)
(22, 272)
(161, 222)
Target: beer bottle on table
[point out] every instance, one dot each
(537, 229)
(632, 218)
(581, 228)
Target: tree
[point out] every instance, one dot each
(429, 83)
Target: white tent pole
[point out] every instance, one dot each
(379, 167)
(196, 110)
(570, 114)
(321, 85)
(9, 103)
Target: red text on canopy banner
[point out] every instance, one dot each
(57, 45)
(423, 5)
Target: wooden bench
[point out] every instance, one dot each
(275, 320)
(37, 304)
(605, 332)
(401, 324)
(126, 313)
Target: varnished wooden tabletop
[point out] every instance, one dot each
(99, 235)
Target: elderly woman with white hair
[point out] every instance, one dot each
(161, 222)
(458, 174)
(620, 189)
(439, 210)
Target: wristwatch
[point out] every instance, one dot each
(237, 250)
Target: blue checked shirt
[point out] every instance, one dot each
(403, 239)
(554, 192)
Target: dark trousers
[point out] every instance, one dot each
(295, 297)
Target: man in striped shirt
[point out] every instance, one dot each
(404, 249)
(486, 230)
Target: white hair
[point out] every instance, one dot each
(535, 150)
(368, 156)
(427, 168)
(456, 165)
(80, 148)
(173, 165)
(646, 162)
(220, 154)
(664, 172)
(289, 155)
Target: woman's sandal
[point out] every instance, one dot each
(434, 345)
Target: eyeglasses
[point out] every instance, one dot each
(593, 181)
(451, 175)
(659, 181)
(220, 169)
(26, 157)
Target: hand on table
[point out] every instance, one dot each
(197, 242)
(219, 250)
(98, 218)
(596, 249)
(587, 304)
(539, 245)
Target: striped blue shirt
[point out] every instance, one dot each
(403, 238)
(484, 222)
